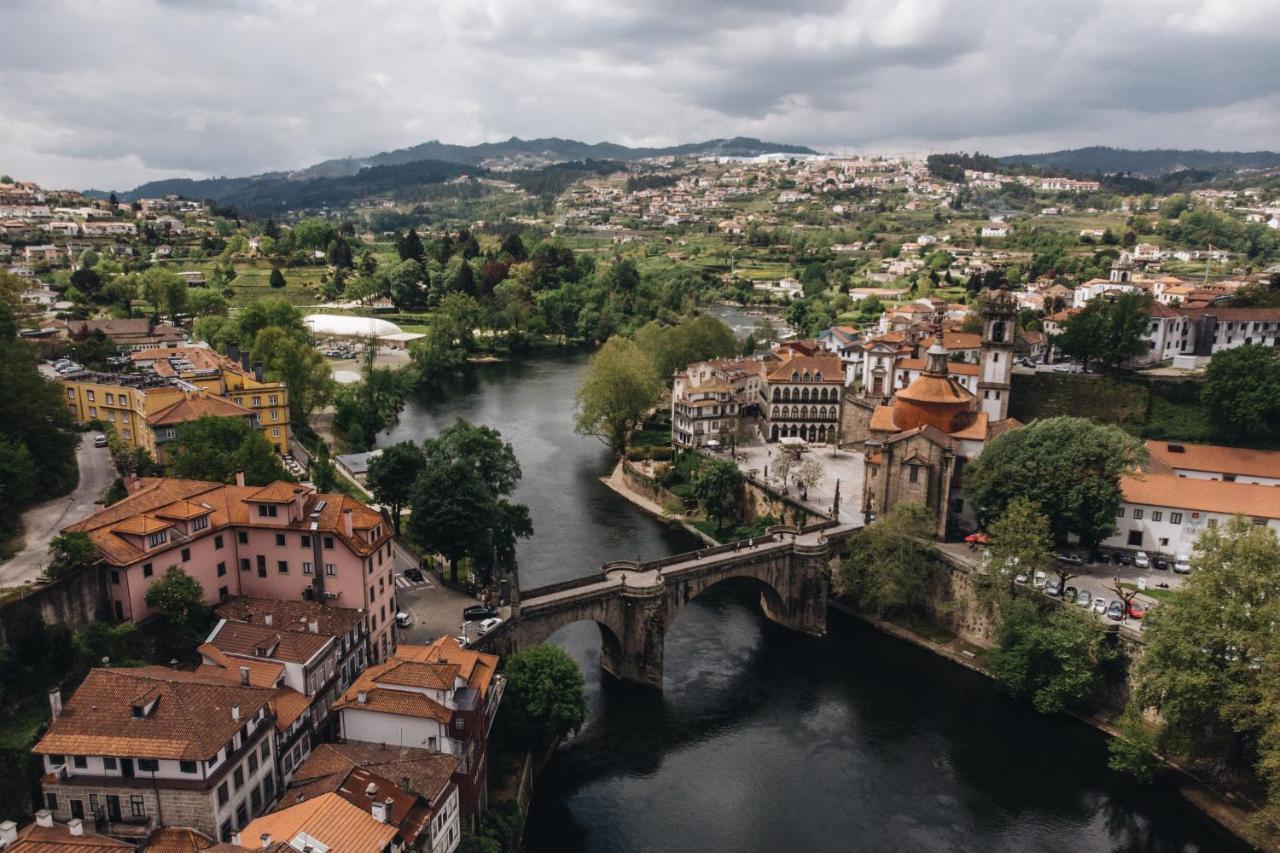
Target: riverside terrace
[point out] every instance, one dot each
(634, 603)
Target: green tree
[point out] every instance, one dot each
(276, 279)
(1110, 330)
(214, 448)
(409, 247)
(166, 292)
(513, 247)
(37, 438)
(1069, 467)
(1211, 651)
(716, 485)
(447, 510)
(546, 698)
(1021, 543)
(314, 234)
(672, 348)
(178, 598)
(271, 311)
(891, 565)
(618, 390)
(1056, 661)
(71, 553)
(1241, 392)
(323, 475)
(299, 366)
(392, 475)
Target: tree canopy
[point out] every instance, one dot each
(1241, 393)
(890, 565)
(617, 391)
(1108, 330)
(545, 699)
(1069, 467)
(1055, 661)
(392, 474)
(214, 448)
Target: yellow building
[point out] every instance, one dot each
(172, 386)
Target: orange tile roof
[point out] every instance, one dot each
(217, 665)
(177, 839)
(1197, 495)
(190, 720)
(34, 838)
(184, 510)
(250, 640)
(141, 525)
(230, 507)
(329, 819)
(829, 365)
(193, 408)
(956, 368)
(477, 668)
(435, 676)
(278, 492)
(289, 705)
(429, 773)
(1213, 458)
(292, 615)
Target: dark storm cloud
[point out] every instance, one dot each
(115, 93)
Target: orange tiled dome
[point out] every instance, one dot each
(936, 401)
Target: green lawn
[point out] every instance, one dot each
(1153, 592)
(18, 728)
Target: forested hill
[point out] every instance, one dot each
(1155, 162)
(541, 152)
(263, 195)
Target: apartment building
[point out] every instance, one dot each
(802, 397)
(1165, 514)
(136, 749)
(439, 697)
(172, 386)
(410, 791)
(282, 541)
(309, 651)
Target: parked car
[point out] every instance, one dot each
(1069, 559)
(403, 620)
(488, 625)
(1124, 559)
(414, 575)
(100, 441)
(1069, 594)
(1099, 605)
(1160, 564)
(1038, 580)
(1020, 577)
(1054, 588)
(1026, 362)
(1064, 368)
(1182, 564)
(1115, 610)
(1084, 598)
(1104, 559)
(477, 612)
(1141, 560)
(1136, 610)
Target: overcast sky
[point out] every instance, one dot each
(110, 93)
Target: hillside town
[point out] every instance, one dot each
(268, 609)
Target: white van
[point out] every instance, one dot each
(1182, 564)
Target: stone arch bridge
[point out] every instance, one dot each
(634, 603)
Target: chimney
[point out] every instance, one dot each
(406, 784)
(75, 826)
(265, 838)
(44, 818)
(379, 811)
(240, 477)
(233, 351)
(314, 626)
(266, 619)
(235, 711)
(244, 361)
(362, 697)
(235, 838)
(8, 833)
(258, 371)
(387, 807)
(244, 676)
(348, 527)
(55, 701)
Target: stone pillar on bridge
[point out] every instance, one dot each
(637, 657)
(801, 604)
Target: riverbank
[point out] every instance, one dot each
(618, 483)
(1219, 806)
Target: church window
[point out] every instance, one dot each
(914, 473)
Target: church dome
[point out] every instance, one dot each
(937, 401)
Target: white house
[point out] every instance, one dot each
(1165, 514)
(1214, 462)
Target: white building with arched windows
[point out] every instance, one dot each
(802, 398)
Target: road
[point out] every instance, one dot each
(436, 609)
(42, 522)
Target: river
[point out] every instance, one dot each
(768, 741)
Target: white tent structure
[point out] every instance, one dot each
(350, 326)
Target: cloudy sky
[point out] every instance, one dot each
(110, 93)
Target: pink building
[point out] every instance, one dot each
(282, 541)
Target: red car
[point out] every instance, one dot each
(1136, 610)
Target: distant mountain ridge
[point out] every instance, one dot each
(1099, 159)
(534, 152)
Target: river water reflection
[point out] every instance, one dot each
(768, 741)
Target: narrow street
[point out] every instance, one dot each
(40, 523)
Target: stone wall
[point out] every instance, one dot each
(75, 601)
(855, 420)
(761, 499)
(642, 483)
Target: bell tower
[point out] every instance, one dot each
(999, 313)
